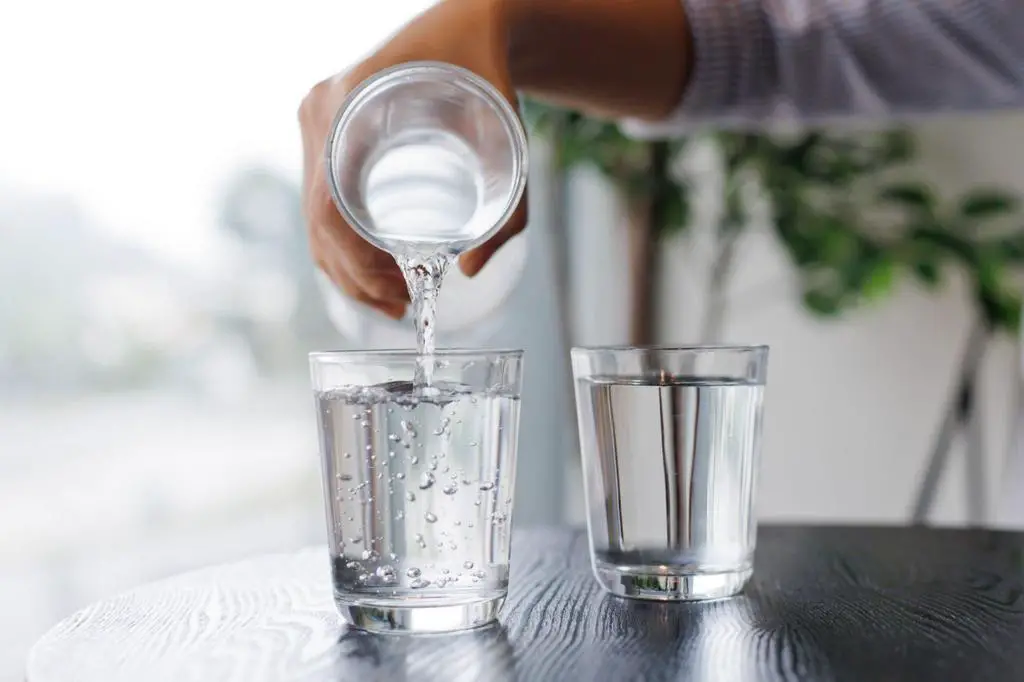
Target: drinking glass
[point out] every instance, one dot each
(418, 484)
(426, 157)
(670, 440)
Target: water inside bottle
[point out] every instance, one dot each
(426, 161)
(423, 194)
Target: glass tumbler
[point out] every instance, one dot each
(426, 157)
(418, 484)
(670, 441)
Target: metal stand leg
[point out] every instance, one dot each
(974, 462)
(960, 416)
(1011, 512)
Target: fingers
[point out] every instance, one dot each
(474, 261)
(393, 309)
(364, 272)
(374, 270)
(353, 286)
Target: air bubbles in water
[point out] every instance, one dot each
(443, 429)
(430, 517)
(450, 489)
(426, 480)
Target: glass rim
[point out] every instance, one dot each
(424, 70)
(682, 349)
(413, 354)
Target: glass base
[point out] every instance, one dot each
(394, 618)
(672, 587)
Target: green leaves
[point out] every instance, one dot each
(915, 197)
(928, 273)
(879, 279)
(816, 184)
(1001, 308)
(987, 204)
(896, 147)
(627, 163)
(822, 302)
(676, 211)
(1010, 247)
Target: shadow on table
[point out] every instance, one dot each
(484, 654)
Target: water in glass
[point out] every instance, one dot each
(420, 495)
(670, 466)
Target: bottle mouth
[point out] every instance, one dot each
(373, 113)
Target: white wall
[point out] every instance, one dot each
(853, 404)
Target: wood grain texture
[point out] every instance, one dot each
(826, 604)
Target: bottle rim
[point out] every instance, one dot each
(427, 71)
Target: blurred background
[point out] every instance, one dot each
(157, 300)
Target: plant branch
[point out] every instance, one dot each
(958, 413)
(647, 217)
(642, 257)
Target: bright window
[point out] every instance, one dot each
(156, 298)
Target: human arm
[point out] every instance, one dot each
(615, 57)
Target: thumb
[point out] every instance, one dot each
(474, 261)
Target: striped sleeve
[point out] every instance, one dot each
(761, 61)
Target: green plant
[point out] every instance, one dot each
(850, 230)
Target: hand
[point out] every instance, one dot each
(466, 33)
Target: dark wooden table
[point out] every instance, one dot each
(865, 604)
